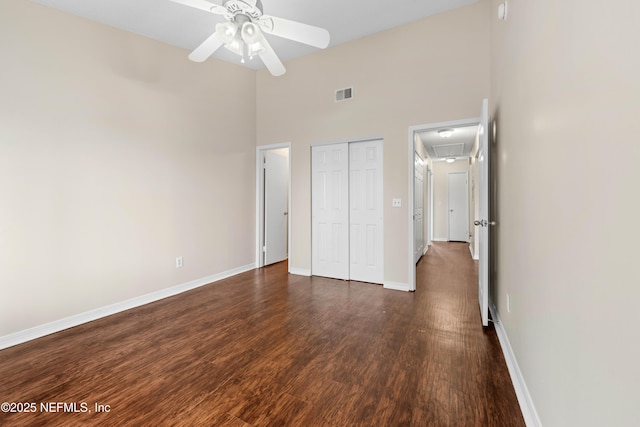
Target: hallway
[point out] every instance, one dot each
(269, 348)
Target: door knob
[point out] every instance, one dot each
(484, 223)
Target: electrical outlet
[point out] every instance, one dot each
(508, 304)
(396, 203)
(179, 262)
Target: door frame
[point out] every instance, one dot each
(430, 206)
(411, 179)
(425, 244)
(348, 141)
(260, 150)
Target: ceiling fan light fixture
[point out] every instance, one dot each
(253, 38)
(445, 133)
(254, 49)
(251, 33)
(236, 46)
(227, 31)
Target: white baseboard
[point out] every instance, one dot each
(300, 271)
(474, 256)
(527, 407)
(88, 316)
(439, 239)
(396, 286)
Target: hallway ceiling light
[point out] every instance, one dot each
(445, 133)
(450, 159)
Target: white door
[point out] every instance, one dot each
(483, 222)
(276, 201)
(330, 211)
(458, 189)
(418, 208)
(366, 207)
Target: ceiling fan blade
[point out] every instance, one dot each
(271, 60)
(297, 31)
(206, 49)
(202, 5)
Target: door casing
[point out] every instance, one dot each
(338, 269)
(260, 202)
(276, 205)
(411, 267)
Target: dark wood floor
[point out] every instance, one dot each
(268, 348)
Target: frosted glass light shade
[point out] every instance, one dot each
(227, 31)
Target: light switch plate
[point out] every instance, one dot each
(396, 203)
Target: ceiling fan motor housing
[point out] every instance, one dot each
(251, 9)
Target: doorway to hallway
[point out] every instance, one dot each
(272, 190)
(441, 155)
(475, 151)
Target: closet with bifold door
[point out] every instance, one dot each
(347, 211)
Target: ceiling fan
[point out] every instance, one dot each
(242, 33)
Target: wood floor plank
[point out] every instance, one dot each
(268, 348)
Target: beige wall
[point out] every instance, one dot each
(401, 77)
(565, 95)
(441, 171)
(117, 155)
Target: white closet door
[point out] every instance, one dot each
(330, 211)
(366, 211)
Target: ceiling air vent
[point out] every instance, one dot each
(344, 94)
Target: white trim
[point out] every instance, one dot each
(430, 208)
(410, 211)
(411, 150)
(473, 256)
(88, 316)
(300, 271)
(439, 239)
(260, 199)
(527, 407)
(397, 286)
(347, 141)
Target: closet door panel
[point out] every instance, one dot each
(330, 211)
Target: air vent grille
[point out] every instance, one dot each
(344, 94)
(449, 150)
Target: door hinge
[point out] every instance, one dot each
(264, 249)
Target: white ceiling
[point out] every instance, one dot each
(186, 27)
(459, 145)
